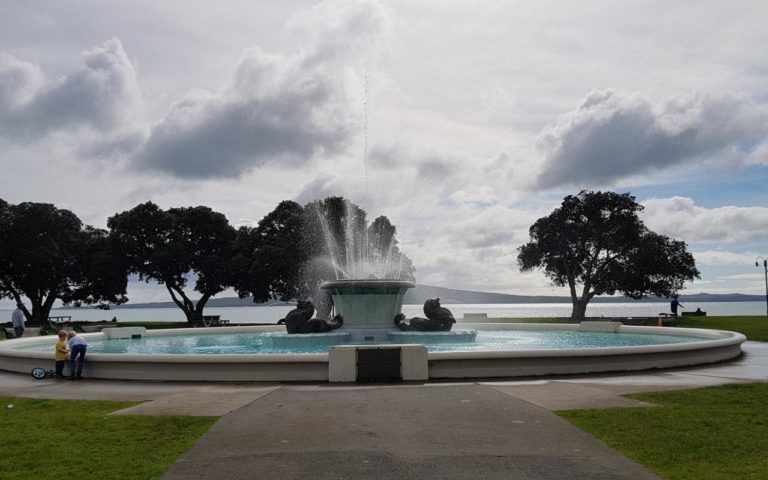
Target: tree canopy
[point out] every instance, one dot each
(46, 253)
(169, 246)
(293, 249)
(596, 242)
(269, 257)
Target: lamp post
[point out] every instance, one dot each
(765, 270)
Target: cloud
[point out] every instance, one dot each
(279, 108)
(679, 217)
(322, 187)
(102, 95)
(19, 82)
(614, 134)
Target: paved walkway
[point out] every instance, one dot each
(408, 432)
(489, 429)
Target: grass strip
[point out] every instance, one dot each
(755, 328)
(713, 433)
(53, 439)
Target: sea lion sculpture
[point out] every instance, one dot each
(439, 319)
(299, 320)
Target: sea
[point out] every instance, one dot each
(271, 314)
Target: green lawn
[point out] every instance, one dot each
(755, 328)
(58, 439)
(717, 433)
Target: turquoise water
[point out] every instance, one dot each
(493, 340)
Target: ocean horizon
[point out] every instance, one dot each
(271, 314)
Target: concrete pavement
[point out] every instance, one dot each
(408, 432)
(489, 429)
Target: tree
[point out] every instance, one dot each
(294, 249)
(47, 254)
(595, 241)
(269, 257)
(170, 246)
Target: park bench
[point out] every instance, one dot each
(210, 321)
(59, 322)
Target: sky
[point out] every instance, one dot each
(462, 122)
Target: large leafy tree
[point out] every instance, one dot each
(46, 253)
(171, 246)
(269, 256)
(294, 249)
(595, 244)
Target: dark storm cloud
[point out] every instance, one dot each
(273, 112)
(282, 109)
(102, 94)
(613, 134)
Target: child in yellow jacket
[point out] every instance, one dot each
(62, 351)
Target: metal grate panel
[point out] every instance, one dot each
(375, 364)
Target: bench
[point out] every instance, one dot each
(210, 321)
(697, 313)
(57, 323)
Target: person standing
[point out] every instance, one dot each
(61, 352)
(77, 347)
(674, 304)
(17, 319)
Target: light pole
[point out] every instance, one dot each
(765, 270)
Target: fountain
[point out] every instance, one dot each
(367, 289)
(365, 335)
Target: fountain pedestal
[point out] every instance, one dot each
(368, 307)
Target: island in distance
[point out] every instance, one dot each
(447, 296)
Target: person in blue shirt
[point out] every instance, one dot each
(77, 348)
(674, 304)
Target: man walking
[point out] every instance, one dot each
(674, 304)
(17, 319)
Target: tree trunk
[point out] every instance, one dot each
(579, 311)
(193, 317)
(40, 313)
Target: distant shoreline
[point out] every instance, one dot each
(448, 296)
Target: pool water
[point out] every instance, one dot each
(488, 340)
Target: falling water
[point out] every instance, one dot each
(352, 253)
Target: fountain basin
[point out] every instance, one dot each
(279, 340)
(709, 347)
(433, 338)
